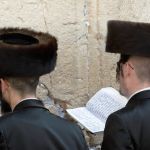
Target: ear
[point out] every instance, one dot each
(128, 69)
(4, 85)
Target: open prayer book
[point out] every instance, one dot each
(93, 116)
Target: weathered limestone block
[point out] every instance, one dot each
(95, 139)
(42, 92)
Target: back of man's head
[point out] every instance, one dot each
(142, 68)
(25, 55)
(23, 85)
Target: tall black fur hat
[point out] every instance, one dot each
(24, 52)
(131, 38)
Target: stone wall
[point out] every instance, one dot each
(80, 26)
(82, 66)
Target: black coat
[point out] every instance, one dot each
(32, 127)
(129, 128)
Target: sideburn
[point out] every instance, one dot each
(123, 59)
(5, 108)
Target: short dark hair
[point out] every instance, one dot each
(123, 59)
(24, 85)
(142, 68)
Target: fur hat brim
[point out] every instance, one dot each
(24, 52)
(131, 38)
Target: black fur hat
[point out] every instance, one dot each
(24, 52)
(131, 38)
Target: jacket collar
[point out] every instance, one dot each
(30, 103)
(139, 97)
(144, 89)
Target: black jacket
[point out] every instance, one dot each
(129, 128)
(32, 127)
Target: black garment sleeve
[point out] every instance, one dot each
(116, 136)
(83, 143)
(3, 145)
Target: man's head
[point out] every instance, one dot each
(21, 87)
(133, 73)
(131, 40)
(24, 56)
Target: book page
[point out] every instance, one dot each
(104, 102)
(87, 119)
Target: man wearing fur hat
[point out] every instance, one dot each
(24, 56)
(129, 128)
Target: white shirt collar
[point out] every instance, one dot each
(28, 99)
(145, 89)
